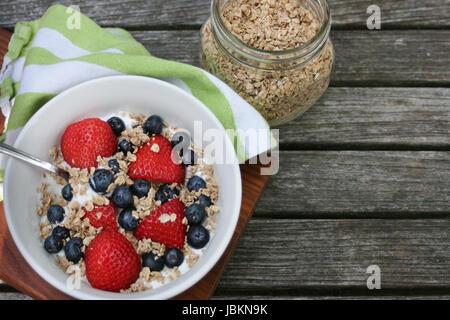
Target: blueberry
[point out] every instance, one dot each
(117, 125)
(195, 213)
(126, 146)
(165, 193)
(189, 159)
(113, 164)
(204, 200)
(197, 236)
(173, 257)
(53, 244)
(140, 188)
(73, 250)
(152, 261)
(153, 125)
(55, 213)
(66, 192)
(100, 180)
(196, 183)
(61, 232)
(127, 220)
(122, 197)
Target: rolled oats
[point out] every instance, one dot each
(278, 93)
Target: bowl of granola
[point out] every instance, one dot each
(146, 211)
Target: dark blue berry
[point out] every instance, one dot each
(73, 249)
(55, 213)
(195, 213)
(122, 197)
(100, 180)
(173, 257)
(189, 159)
(165, 193)
(126, 146)
(140, 188)
(204, 200)
(53, 244)
(61, 232)
(127, 220)
(153, 125)
(196, 183)
(197, 236)
(152, 261)
(66, 192)
(117, 125)
(113, 164)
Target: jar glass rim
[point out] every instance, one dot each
(305, 49)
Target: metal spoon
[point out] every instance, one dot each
(19, 154)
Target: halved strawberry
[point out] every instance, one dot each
(154, 163)
(164, 225)
(83, 141)
(102, 216)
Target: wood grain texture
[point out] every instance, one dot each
(323, 256)
(363, 58)
(17, 272)
(290, 255)
(13, 296)
(21, 296)
(373, 118)
(359, 184)
(192, 13)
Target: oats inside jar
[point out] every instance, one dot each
(276, 54)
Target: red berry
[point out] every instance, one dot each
(154, 163)
(112, 264)
(168, 230)
(83, 141)
(102, 216)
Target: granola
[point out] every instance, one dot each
(85, 200)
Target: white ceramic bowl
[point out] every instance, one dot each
(98, 98)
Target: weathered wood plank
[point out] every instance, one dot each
(334, 255)
(373, 118)
(192, 13)
(321, 257)
(328, 297)
(400, 58)
(13, 296)
(397, 58)
(394, 13)
(358, 183)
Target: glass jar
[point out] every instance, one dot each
(280, 83)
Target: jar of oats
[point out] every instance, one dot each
(275, 53)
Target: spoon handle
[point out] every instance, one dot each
(19, 154)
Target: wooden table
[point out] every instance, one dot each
(365, 174)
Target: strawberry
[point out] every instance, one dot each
(154, 163)
(162, 227)
(102, 216)
(83, 141)
(112, 264)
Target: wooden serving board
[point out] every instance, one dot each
(15, 271)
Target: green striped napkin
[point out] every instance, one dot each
(65, 48)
